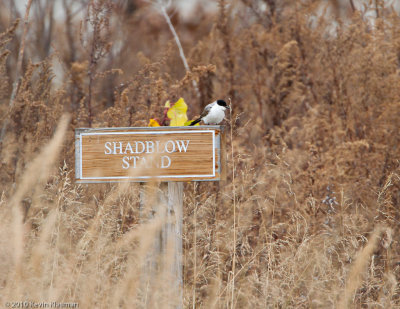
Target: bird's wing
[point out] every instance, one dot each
(206, 110)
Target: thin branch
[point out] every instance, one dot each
(178, 43)
(93, 58)
(68, 31)
(18, 75)
(177, 40)
(47, 42)
(376, 9)
(352, 6)
(21, 53)
(234, 207)
(238, 273)
(98, 15)
(195, 246)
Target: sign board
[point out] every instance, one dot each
(153, 153)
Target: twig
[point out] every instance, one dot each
(229, 63)
(176, 37)
(178, 43)
(357, 269)
(93, 59)
(68, 31)
(195, 245)
(352, 6)
(21, 53)
(18, 75)
(376, 9)
(240, 271)
(47, 42)
(98, 17)
(234, 208)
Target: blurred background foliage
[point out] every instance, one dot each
(315, 90)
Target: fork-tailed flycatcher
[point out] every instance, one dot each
(213, 113)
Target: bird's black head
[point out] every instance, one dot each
(222, 103)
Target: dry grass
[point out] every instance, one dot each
(309, 215)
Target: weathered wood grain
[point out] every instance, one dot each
(143, 154)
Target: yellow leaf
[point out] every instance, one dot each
(153, 123)
(167, 104)
(177, 113)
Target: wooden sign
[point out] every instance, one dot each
(152, 153)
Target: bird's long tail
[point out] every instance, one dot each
(194, 122)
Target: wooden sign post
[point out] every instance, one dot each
(163, 154)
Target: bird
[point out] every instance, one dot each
(213, 113)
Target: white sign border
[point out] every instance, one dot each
(144, 132)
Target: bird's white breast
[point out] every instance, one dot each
(215, 115)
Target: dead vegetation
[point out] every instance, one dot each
(315, 155)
